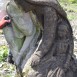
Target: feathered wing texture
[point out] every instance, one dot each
(51, 3)
(54, 4)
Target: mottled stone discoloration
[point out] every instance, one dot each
(53, 57)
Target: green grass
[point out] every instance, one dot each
(3, 53)
(71, 10)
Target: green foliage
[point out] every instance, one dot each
(68, 1)
(3, 53)
(70, 6)
(72, 1)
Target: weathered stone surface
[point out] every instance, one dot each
(54, 56)
(57, 60)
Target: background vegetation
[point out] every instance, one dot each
(3, 53)
(70, 6)
(68, 1)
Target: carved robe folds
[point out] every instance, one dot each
(22, 34)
